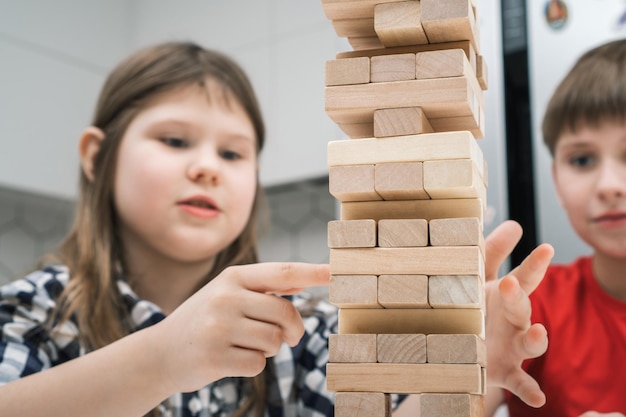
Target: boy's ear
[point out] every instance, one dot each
(88, 148)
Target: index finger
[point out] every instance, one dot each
(283, 277)
(532, 269)
(499, 245)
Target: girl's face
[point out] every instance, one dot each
(185, 179)
(589, 172)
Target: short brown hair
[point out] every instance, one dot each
(592, 92)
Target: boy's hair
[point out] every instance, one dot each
(593, 92)
(92, 249)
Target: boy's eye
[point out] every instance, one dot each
(175, 142)
(230, 155)
(582, 161)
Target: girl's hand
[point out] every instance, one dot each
(510, 336)
(232, 324)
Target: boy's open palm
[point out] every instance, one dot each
(231, 325)
(512, 338)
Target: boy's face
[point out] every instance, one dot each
(589, 170)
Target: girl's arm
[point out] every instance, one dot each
(227, 328)
(122, 379)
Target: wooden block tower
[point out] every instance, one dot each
(407, 254)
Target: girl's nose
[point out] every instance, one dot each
(205, 168)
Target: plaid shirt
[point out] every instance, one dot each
(297, 386)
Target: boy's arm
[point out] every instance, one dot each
(510, 336)
(493, 400)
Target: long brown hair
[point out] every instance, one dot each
(92, 249)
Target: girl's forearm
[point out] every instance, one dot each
(121, 379)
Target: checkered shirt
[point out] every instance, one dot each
(297, 387)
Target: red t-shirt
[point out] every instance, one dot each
(584, 367)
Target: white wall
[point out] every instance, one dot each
(551, 55)
(53, 58)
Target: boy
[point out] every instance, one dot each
(583, 304)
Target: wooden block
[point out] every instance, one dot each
(352, 348)
(449, 20)
(398, 233)
(481, 72)
(404, 378)
(362, 43)
(412, 321)
(455, 178)
(412, 148)
(352, 233)
(400, 122)
(348, 71)
(431, 260)
(442, 63)
(400, 181)
(357, 130)
(407, 209)
(449, 63)
(400, 348)
(459, 231)
(400, 67)
(451, 124)
(348, 28)
(362, 404)
(438, 97)
(352, 183)
(466, 46)
(403, 291)
(456, 348)
(399, 23)
(354, 291)
(350, 9)
(451, 405)
(456, 291)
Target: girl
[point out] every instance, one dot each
(168, 200)
(155, 303)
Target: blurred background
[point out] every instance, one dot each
(55, 54)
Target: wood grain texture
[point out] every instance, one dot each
(431, 260)
(404, 378)
(352, 348)
(399, 23)
(362, 404)
(352, 233)
(403, 291)
(411, 321)
(401, 348)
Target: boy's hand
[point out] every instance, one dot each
(510, 336)
(596, 414)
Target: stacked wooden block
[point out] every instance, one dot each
(407, 254)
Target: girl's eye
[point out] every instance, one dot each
(230, 155)
(175, 142)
